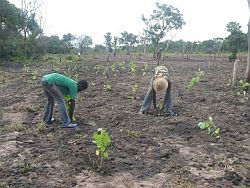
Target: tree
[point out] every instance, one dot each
(9, 29)
(247, 74)
(54, 45)
(30, 28)
(67, 42)
(115, 45)
(128, 40)
(165, 18)
(236, 41)
(84, 42)
(108, 43)
(144, 41)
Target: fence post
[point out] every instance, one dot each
(235, 73)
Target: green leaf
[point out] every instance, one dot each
(97, 152)
(210, 119)
(105, 154)
(217, 131)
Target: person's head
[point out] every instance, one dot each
(160, 84)
(82, 85)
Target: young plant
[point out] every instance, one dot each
(210, 126)
(144, 69)
(133, 67)
(134, 91)
(242, 92)
(34, 75)
(229, 82)
(107, 87)
(196, 79)
(244, 86)
(102, 141)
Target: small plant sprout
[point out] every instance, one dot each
(107, 87)
(244, 86)
(144, 69)
(196, 79)
(133, 67)
(102, 140)
(210, 126)
(242, 91)
(134, 91)
(229, 82)
(34, 75)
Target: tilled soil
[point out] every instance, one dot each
(145, 151)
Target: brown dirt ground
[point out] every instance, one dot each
(146, 151)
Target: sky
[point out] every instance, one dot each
(205, 19)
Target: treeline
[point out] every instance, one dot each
(22, 38)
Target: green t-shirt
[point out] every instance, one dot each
(66, 85)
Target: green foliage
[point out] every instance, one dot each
(34, 75)
(210, 127)
(164, 19)
(107, 87)
(196, 79)
(133, 134)
(133, 67)
(134, 89)
(236, 41)
(244, 86)
(41, 127)
(242, 92)
(25, 168)
(144, 69)
(72, 72)
(30, 108)
(102, 140)
(108, 41)
(229, 82)
(128, 40)
(72, 58)
(232, 56)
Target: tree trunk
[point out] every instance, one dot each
(247, 74)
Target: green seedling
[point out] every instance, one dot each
(133, 134)
(229, 82)
(134, 91)
(25, 168)
(244, 86)
(41, 127)
(102, 140)
(210, 126)
(107, 87)
(34, 75)
(30, 109)
(113, 67)
(133, 67)
(144, 69)
(196, 79)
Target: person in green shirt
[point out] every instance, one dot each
(56, 87)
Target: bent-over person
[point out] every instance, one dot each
(160, 81)
(57, 86)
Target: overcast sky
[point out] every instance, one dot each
(205, 19)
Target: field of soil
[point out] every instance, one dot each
(145, 151)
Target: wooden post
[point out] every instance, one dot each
(235, 72)
(247, 74)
